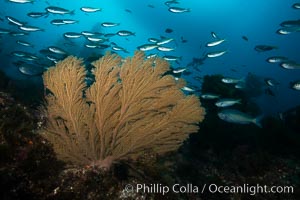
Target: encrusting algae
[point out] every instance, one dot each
(132, 107)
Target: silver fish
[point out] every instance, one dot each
(214, 35)
(154, 40)
(216, 54)
(96, 39)
(164, 41)
(271, 82)
(178, 10)
(215, 43)
(109, 24)
(277, 59)
(30, 28)
(288, 30)
(88, 33)
(178, 70)
(147, 47)
(238, 117)
(23, 43)
(295, 85)
(30, 69)
(229, 80)
(227, 102)
(70, 21)
(125, 33)
(296, 6)
(290, 65)
(185, 88)
(72, 35)
(58, 10)
(166, 49)
(91, 46)
(57, 50)
(118, 48)
(57, 22)
(151, 56)
(210, 96)
(172, 58)
(21, 1)
(15, 21)
(90, 9)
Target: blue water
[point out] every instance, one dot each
(230, 19)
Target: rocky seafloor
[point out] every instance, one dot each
(226, 155)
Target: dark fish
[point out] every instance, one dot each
(45, 51)
(127, 10)
(151, 6)
(196, 62)
(183, 40)
(262, 48)
(245, 38)
(37, 14)
(169, 3)
(63, 21)
(290, 23)
(69, 44)
(168, 30)
(186, 73)
(296, 6)
(269, 92)
(4, 31)
(109, 35)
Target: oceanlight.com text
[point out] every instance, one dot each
(211, 188)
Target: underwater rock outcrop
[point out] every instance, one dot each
(131, 108)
